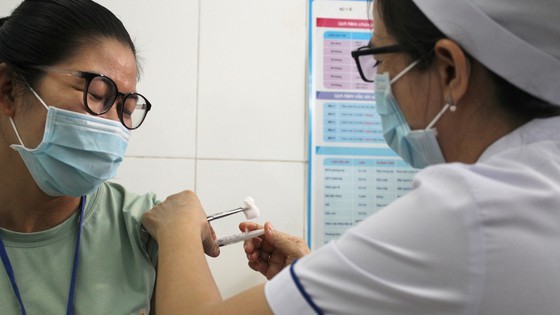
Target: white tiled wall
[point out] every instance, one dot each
(227, 82)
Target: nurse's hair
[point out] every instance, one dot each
(418, 35)
(45, 32)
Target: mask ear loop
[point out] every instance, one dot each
(12, 120)
(405, 71)
(450, 105)
(17, 133)
(38, 97)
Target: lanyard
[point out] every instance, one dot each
(10, 271)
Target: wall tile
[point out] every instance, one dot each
(252, 80)
(162, 176)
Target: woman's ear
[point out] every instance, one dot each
(453, 67)
(7, 91)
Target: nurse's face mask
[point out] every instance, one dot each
(419, 148)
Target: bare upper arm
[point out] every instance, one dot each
(251, 301)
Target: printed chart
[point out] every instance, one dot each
(352, 172)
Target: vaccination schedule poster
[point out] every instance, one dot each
(352, 172)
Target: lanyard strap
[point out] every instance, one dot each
(10, 271)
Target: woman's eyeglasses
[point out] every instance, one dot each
(100, 93)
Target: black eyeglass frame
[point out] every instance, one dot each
(88, 77)
(368, 50)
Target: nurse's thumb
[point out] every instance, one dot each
(291, 247)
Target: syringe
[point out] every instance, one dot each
(238, 237)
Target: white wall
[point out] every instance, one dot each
(227, 80)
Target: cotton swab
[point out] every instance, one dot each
(250, 210)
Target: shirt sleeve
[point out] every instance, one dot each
(419, 255)
(284, 297)
(131, 206)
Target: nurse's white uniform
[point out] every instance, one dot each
(468, 239)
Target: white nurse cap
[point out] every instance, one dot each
(517, 39)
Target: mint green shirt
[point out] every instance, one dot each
(116, 272)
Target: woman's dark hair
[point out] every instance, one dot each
(44, 32)
(418, 35)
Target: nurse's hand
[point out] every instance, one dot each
(181, 216)
(270, 253)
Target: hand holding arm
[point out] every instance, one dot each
(181, 213)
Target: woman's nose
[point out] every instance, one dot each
(112, 113)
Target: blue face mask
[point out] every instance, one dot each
(78, 152)
(419, 148)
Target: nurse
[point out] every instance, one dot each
(70, 242)
(467, 90)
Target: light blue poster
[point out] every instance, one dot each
(352, 172)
